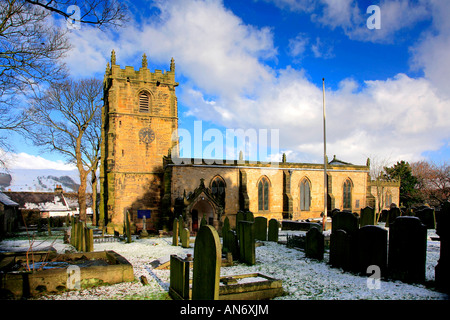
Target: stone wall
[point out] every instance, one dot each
(185, 178)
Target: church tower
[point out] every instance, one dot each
(138, 119)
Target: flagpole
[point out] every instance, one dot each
(325, 184)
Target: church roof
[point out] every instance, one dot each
(337, 162)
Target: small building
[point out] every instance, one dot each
(49, 204)
(8, 214)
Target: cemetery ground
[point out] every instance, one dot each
(303, 278)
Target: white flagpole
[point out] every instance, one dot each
(325, 184)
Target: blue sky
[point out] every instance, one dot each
(259, 64)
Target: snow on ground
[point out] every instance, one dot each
(302, 278)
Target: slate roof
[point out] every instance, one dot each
(47, 201)
(7, 201)
(337, 162)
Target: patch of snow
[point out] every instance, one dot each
(302, 278)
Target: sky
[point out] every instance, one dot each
(259, 64)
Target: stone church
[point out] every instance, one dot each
(138, 176)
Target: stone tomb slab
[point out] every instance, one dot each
(96, 268)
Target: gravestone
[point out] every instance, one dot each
(240, 216)
(260, 228)
(333, 212)
(372, 248)
(89, 235)
(225, 229)
(442, 276)
(340, 250)
(232, 244)
(249, 216)
(247, 242)
(383, 215)
(175, 232)
(179, 278)
(427, 217)
(207, 261)
(180, 225)
(203, 222)
(367, 217)
(314, 244)
(344, 220)
(393, 214)
(273, 230)
(185, 237)
(407, 250)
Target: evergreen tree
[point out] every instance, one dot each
(402, 171)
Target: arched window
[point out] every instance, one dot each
(347, 196)
(144, 102)
(218, 189)
(388, 199)
(263, 194)
(305, 195)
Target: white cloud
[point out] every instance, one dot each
(295, 5)
(229, 83)
(350, 16)
(24, 160)
(431, 53)
(298, 45)
(322, 50)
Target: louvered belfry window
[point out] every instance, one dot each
(144, 102)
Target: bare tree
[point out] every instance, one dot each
(63, 116)
(378, 178)
(31, 48)
(101, 13)
(433, 181)
(91, 151)
(29, 51)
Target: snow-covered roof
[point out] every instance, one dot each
(7, 201)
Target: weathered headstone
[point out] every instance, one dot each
(393, 214)
(225, 229)
(175, 232)
(203, 222)
(383, 215)
(407, 250)
(89, 235)
(442, 275)
(372, 248)
(367, 217)
(179, 278)
(344, 220)
(314, 244)
(260, 228)
(207, 261)
(343, 251)
(185, 237)
(249, 216)
(273, 230)
(232, 244)
(180, 225)
(427, 217)
(340, 250)
(240, 216)
(247, 242)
